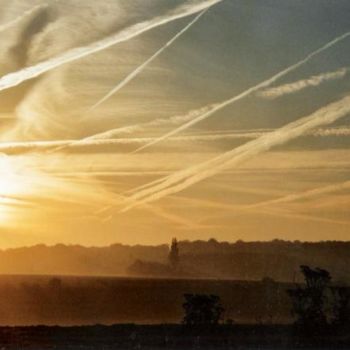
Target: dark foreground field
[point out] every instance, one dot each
(125, 305)
(70, 301)
(164, 337)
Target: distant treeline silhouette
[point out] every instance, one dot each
(277, 259)
(318, 306)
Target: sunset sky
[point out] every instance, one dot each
(135, 121)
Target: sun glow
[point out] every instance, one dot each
(12, 188)
(26, 191)
(8, 185)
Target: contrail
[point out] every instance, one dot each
(106, 216)
(303, 84)
(155, 210)
(185, 178)
(305, 217)
(275, 212)
(218, 106)
(139, 69)
(109, 134)
(32, 146)
(106, 135)
(338, 131)
(16, 78)
(284, 199)
(24, 15)
(303, 195)
(175, 120)
(76, 144)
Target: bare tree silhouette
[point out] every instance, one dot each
(309, 302)
(319, 304)
(174, 258)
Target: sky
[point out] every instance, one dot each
(135, 122)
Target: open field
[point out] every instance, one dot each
(71, 312)
(70, 301)
(164, 337)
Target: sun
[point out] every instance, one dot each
(12, 188)
(9, 178)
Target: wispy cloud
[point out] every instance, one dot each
(188, 177)
(299, 85)
(27, 14)
(218, 106)
(16, 78)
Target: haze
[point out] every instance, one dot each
(135, 122)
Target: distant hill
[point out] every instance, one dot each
(279, 260)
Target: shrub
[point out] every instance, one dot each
(202, 310)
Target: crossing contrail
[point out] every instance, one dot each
(132, 128)
(188, 177)
(296, 86)
(139, 69)
(184, 10)
(218, 106)
(111, 133)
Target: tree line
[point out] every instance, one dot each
(317, 305)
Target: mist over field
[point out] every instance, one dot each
(279, 260)
(210, 139)
(72, 301)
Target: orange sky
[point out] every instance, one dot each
(189, 91)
